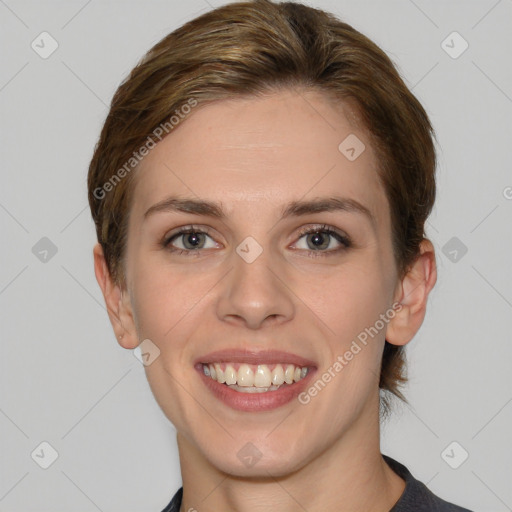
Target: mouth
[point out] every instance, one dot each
(250, 378)
(254, 381)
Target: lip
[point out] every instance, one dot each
(255, 402)
(254, 357)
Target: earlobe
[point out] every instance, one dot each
(116, 300)
(413, 294)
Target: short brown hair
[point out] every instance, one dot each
(252, 48)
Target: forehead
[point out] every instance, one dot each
(264, 151)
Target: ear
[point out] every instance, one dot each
(117, 301)
(412, 294)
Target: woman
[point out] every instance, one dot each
(260, 189)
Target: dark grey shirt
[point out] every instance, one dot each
(416, 496)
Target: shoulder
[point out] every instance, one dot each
(175, 503)
(417, 497)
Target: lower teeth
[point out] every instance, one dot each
(253, 389)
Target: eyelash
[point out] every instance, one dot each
(343, 239)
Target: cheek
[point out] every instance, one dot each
(347, 300)
(161, 297)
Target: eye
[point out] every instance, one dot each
(319, 241)
(323, 240)
(188, 240)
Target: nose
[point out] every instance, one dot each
(254, 294)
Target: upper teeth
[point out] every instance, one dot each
(260, 376)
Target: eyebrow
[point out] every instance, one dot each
(292, 209)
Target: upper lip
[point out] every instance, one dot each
(252, 356)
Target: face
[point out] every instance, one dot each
(267, 284)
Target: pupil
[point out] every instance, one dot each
(317, 239)
(193, 236)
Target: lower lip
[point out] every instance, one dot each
(255, 402)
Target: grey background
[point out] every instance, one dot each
(64, 378)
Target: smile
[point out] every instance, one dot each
(250, 378)
(254, 380)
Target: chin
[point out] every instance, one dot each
(256, 460)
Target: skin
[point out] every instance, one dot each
(255, 155)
